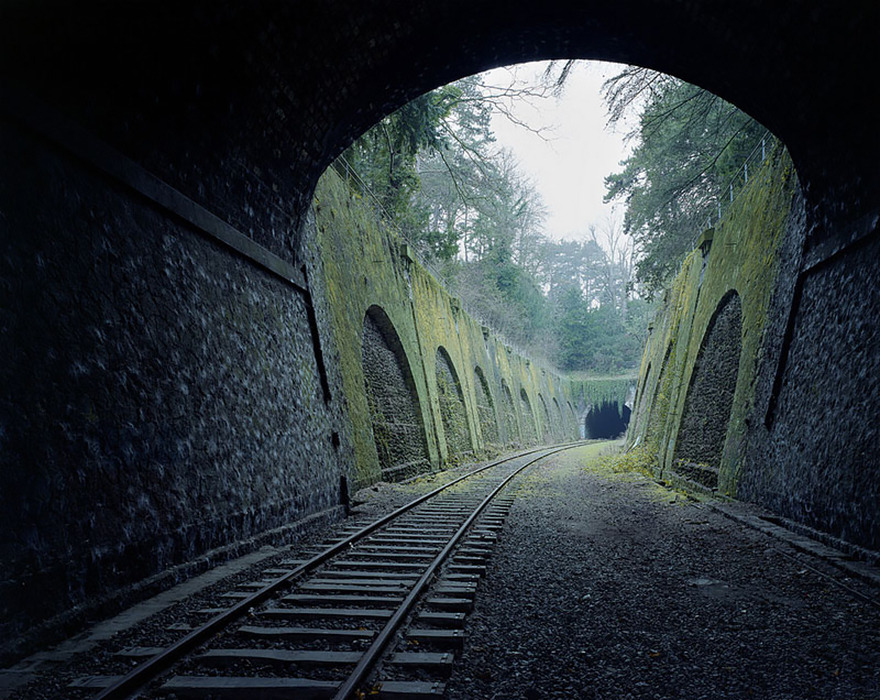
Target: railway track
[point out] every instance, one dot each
(377, 612)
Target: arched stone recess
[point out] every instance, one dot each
(486, 409)
(395, 411)
(545, 424)
(509, 431)
(571, 421)
(658, 408)
(641, 389)
(529, 429)
(703, 427)
(559, 424)
(453, 412)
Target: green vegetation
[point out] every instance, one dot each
(636, 459)
(743, 258)
(596, 389)
(690, 145)
(434, 171)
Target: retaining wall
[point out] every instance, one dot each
(798, 435)
(367, 266)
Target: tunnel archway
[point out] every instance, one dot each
(559, 428)
(709, 399)
(395, 412)
(453, 412)
(606, 420)
(486, 409)
(230, 125)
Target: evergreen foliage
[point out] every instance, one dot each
(690, 145)
(434, 167)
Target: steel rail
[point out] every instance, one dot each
(149, 669)
(368, 661)
(849, 589)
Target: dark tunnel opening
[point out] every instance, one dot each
(606, 421)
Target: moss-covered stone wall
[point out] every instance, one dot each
(510, 430)
(463, 376)
(486, 409)
(736, 260)
(396, 421)
(797, 410)
(709, 398)
(453, 412)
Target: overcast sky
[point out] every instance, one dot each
(569, 165)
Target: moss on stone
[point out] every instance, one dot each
(741, 258)
(364, 264)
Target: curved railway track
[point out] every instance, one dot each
(378, 612)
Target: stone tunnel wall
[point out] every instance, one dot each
(812, 452)
(799, 436)
(366, 265)
(164, 400)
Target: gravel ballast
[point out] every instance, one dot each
(608, 585)
(601, 585)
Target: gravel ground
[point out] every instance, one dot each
(641, 594)
(606, 585)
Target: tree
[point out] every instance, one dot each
(436, 171)
(690, 144)
(383, 159)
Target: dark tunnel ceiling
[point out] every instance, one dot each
(293, 83)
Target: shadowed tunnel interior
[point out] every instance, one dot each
(179, 377)
(606, 420)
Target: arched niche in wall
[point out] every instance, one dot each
(656, 412)
(571, 419)
(395, 413)
(486, 409)
(709, 400)
(509, 432)
(452, 407)
(546, 427)
(529, 434)
(641, 389)
(558, 428)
